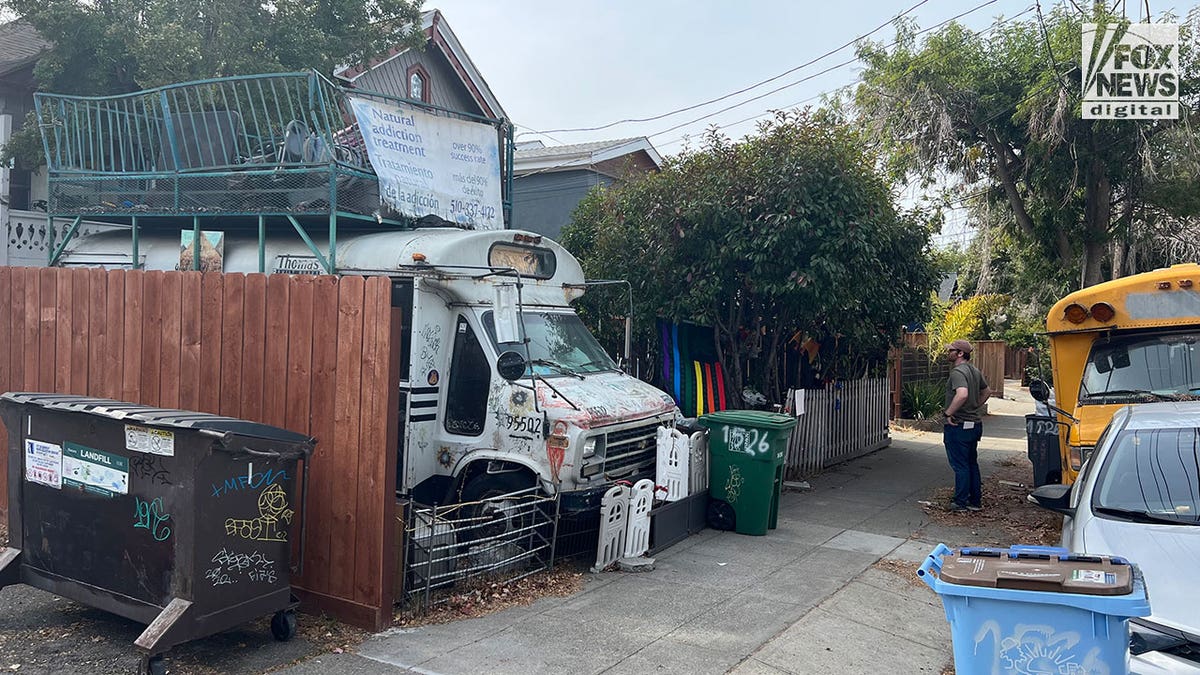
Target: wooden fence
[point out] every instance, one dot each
(843, 421)
(314, 355)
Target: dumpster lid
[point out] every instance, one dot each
(759, 419)
(160, 417)
(1038, 568)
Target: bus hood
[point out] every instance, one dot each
(1092, 421)
(602, 398)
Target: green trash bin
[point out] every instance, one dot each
(745, 468)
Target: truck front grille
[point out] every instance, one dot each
(630, 451)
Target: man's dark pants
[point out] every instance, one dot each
(962, 449)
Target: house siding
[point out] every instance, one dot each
(445, 88)
(543, 202)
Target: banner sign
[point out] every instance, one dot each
(427, 164)
(1131, 71)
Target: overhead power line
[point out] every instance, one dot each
(748, 88)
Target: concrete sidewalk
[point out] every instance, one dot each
(804, 599)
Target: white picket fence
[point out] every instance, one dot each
(843, 421)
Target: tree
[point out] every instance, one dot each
(791, 229)
(117, 46)
(1000, 109)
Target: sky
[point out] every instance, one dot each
(568, 64)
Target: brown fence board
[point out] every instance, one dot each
(211, 315)
(254, 346)
(16, 323)
(47, 281)
(324, 378)
(132, 338)
(347, 425)
(63, 329)
(97, 332)
(172, 340)
(151, 336)
(114, 318)
(32, 329)
(369, 576)
(6, 379)
(190, 302)
(276, 360)
(312, 354)
(233, 308)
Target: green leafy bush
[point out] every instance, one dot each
(921, 400)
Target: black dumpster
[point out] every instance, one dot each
(1041, 435)
(178, 520)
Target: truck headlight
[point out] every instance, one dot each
(591, 445)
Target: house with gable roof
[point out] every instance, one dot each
(550, 181)
(442, 74)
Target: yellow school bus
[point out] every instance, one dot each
(1130, 340)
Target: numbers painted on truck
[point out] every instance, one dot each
(518, 423)
(749, 441)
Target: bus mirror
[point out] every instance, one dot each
(511, 365)
(506, 314)
(1039, 391)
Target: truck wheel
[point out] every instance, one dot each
(721, 515)
(497, 516)
(283, 625)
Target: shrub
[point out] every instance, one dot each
(921, 400)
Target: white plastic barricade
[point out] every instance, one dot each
(614, 514)
(672, 470)
(698, 462)
(637, 534)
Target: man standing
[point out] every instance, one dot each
(966, 392)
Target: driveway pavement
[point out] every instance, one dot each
(807, 598)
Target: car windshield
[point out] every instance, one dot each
(1152, 475)
(559, 344)
(1136, 369)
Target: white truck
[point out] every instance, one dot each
(502, 386)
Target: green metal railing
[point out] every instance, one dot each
(281, 147)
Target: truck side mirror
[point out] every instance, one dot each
(1039, 391)
(1057, 498)
(506, 315)
(511, 365)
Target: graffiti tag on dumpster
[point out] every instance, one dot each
(150, 516)
(230, 567)
(749, 441)
(253, 481)
(1032, 650)
(272, 510)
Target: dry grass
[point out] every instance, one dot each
(901, 568)
(483, 598)
(1005, 509)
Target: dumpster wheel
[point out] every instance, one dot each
(283, 625)
(152, 665)
(721, 515)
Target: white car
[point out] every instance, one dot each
(1138, 497)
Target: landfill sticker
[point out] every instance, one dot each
(1093, 577)
(152, 441)
(95, 471)
(43, 463)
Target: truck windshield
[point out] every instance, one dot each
(559, 344)
(1142, 368)
(1152, 475)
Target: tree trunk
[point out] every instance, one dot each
(1097, 216)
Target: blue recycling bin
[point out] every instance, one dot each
(1036, 609)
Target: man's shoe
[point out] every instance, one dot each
(974, 507)
(955, 507)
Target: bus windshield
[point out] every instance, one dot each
(1142, 368)
(559, 344)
